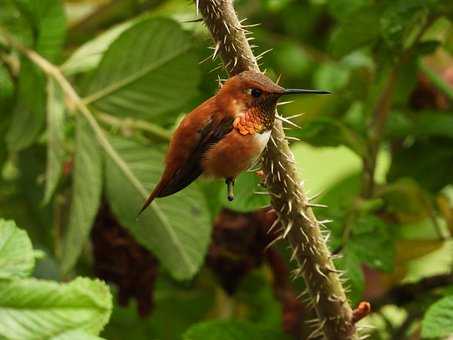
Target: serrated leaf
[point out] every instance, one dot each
(55, 138)
(175, 228)
(231, 330)
(372, 243)
(148, 71)
(438, 319)
(16, 252)
(34, 309)
(88, 56)
(29, 114)
(47, 19)
(86, 193)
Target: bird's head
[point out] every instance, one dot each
(251, 90)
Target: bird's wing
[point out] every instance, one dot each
(211, 133)
(188, 168)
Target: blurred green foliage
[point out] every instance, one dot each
(380, 150)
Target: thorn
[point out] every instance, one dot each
(276, 222)
(226, 27)
(216, 50)
(294, 253)
(318, 332)
(316, 205)
(295, 116)
(274, 241)
(288, 229)
(192, 20)
(283, 119)
(285, 102)
(204, 60)
(259, 56)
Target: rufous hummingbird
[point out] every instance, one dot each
(223, 136)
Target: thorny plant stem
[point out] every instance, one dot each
(295, 216)
(71, 95)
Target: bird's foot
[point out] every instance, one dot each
(230, 188)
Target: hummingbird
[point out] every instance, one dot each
(223, 136)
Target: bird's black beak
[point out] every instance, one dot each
(304, 91)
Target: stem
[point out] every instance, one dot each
(72, 96)
(155, 130)
(301, 228)
(380, 115)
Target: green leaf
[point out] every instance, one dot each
(6, 104)
(400, 19)
(437, 320)
(88, 56)
(193, 302)
(231, 330)
(34, 309)
(329, 131)
(323, 167)
(341, 9)
(357, 30)
(48, 22)
(76, 335)
(175, 228)
(352, 267)
(29, 113)
(86, 193)
(421, 124)
(432, 156)
(12, 20)
(331, 76)
(370, 235)
(55, 137)
(148, 71)
(16, 251)
(249, 195)
(407, 200)
(7, 86)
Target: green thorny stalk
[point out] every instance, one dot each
(298, 224)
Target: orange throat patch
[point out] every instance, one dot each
(248, 124)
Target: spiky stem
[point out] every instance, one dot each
(300, 226)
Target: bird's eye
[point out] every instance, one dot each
(255, 92)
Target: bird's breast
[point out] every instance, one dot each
(234, 153)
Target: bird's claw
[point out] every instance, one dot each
(230, 188)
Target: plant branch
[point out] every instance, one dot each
(155, 131)
(381, 114)
(74, 99)
(409, 292)
(300, 226)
